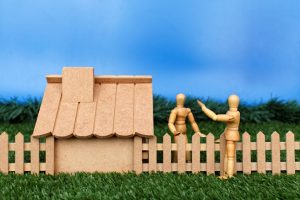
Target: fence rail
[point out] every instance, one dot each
(146, 154)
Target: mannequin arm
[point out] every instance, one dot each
(171, 123)
(195, 126)
(193, 122)
(214, 116)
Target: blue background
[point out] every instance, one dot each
(202, 48)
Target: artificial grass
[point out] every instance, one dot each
(148, 186)
(154, 186)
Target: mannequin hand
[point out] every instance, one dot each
(176, 133)
(202, 105)
(201, 134)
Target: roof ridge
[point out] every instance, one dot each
(108, 79)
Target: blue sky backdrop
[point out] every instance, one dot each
(202, 48)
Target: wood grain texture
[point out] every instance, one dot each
(143, 110)
(222, 154)
(84, 126)
(196, 153)
(34, 155)
(167, 153)
(77, 84)
(152, 154)
(261, 153)
(181, 154)
(210, 154)
(65, 121)
(290, 153)
(275, 140)
(246, 153)
(123, 122)
(4, 153)
(137, 155)
(105, 111)
(50, 156)
(46, 118)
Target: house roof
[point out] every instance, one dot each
(83, 105)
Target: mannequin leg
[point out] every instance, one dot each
(230, 149)
(225, 163)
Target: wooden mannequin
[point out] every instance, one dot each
(177, 122)
(232, 119)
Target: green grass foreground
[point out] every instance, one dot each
(148, 186)
(154, 186)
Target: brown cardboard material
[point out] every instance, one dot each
(120, 105)
(78, 84)
(123, 124)
(105, 113)
(47, 115)
(94, 155)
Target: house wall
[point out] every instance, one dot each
(93, 155)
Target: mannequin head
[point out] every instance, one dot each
(180, 99)
(233, 102)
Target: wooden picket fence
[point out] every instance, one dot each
(146, 159)
(19, 147)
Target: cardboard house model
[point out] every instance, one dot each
(94, 119)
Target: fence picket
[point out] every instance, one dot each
(222, 154)
(50, 155)
(246, 153)
(261, 153)
(167, 153)
(152, 154)
(275, 140)
(35, 155)
(19, 154)
(181, 153)
(138, 153)
(4, 153)
(196, 153)
(290, 153)
(210, 154)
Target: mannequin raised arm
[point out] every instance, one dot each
(214, 116)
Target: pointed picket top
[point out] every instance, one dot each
(166, 137)
(4, 163)
(289, 134)
(260, 134)
(246, 147)
(275, 135)
(210, 154)
(19, 135)
(261, 154)
(167, 166)
(195, 137)
(290, 153)
(246, 135)
(210, 136)
(3, 134)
